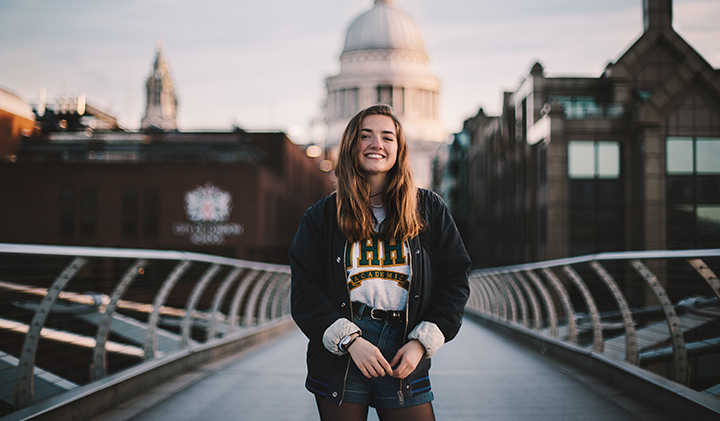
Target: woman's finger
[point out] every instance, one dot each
(409, 356)
(369, 359)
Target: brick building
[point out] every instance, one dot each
(235, 194)
(629, 160)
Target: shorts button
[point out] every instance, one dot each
(407, 387)
(342, 305)
(417, 297)
(338, 259)
(417, 251)
(334, 394)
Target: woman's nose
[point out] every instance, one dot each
(376, 142)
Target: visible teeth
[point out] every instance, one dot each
(374, 155)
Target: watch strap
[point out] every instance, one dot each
(345, 347)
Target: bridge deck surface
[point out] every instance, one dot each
(479, 375)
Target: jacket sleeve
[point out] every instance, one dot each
(451, 267)
(312, 309)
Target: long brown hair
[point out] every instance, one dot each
(354, 215)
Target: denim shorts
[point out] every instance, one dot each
(384, 392)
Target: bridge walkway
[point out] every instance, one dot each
(481, 375)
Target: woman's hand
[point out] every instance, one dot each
(407, 358)
(369, 359)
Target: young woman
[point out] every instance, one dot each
(379, 279)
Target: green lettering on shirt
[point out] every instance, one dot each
(369, 252)
(393, 253)
(400, 278)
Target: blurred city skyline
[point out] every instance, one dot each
(262, 65)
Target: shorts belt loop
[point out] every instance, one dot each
(361, 311)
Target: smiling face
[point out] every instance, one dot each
(378, 146)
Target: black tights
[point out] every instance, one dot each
(350, 411)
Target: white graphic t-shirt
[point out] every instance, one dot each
(379, 270)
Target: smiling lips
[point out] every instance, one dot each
(374, 155)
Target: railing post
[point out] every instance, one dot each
(500, 305)
(492, 307)
(707, 274)
(248, 280)
(676, 330)
(218, 298)
(565, 300)
(150, 346)
(484, 306)
(271, 290)
(25, 385)
(632, 350)
(98, 367)
(505, 290)
(252, 302)
(519, 296)
(187, 321)
(477, 292)
(598, 344)
(280, 300)
(534, 304)
(545, 294)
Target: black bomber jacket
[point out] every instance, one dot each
(438, 290)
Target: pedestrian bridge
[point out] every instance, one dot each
(118, 334)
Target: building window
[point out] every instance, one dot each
(596, 197)
(707, 155)
(129, 213)
(593, 159)
(346, 102)
(67, 213)
(351, 102)
(693, 192)
(692, 155)
(151, 214)
(385, 95)
(88, 214)
(399, 100)
(679, 155)
(581, 107)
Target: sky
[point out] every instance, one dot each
(261, 65)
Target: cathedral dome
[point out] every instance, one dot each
(384, 28)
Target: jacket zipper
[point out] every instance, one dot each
(407, 314)
(352, 316)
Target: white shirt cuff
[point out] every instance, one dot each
(338, 330)
(429, 336)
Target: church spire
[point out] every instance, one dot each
(161, 106)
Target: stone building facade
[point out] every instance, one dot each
(629, 160)
(81, 180)
(384, 61)
(234, 194)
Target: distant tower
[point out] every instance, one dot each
(161, 101)
(384, 61)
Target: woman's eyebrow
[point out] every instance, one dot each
(383, 132)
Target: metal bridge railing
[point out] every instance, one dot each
(657, 309)
(70, 316)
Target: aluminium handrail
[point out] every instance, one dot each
(246, 294)
(563, 290)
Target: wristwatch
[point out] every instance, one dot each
(346, 341)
